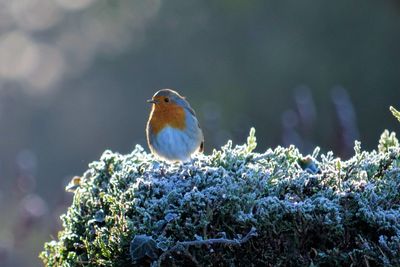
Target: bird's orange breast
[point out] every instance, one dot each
(163, 115)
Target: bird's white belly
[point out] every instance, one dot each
(174, 144)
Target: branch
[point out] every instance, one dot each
(184, 244)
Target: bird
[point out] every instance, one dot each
(173, 131)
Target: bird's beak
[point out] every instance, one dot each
(152, 101)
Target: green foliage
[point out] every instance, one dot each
(387, 141)
(395, 112)
(235, 208)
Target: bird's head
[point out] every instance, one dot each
(167, 98)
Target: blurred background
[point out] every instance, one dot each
(75, 74)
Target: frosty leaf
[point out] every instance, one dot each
(387, 140)
(170, 217)
(395, 112)
(141, 246)
(98, 217)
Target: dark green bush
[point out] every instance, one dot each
(236, 208)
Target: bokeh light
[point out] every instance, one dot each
(74, 4)
(35, 15)
(19, 55)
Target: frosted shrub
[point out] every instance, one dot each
(235, 207)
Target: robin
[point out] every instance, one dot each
(173, 131)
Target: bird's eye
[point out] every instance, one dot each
(166, 99)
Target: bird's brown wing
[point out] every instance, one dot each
(201, 148)
(191, 110)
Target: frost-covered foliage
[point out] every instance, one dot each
(395, 112)
(235, 208)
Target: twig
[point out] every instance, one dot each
(192, 258)
(230, 242)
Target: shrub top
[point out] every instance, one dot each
(235, 207)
